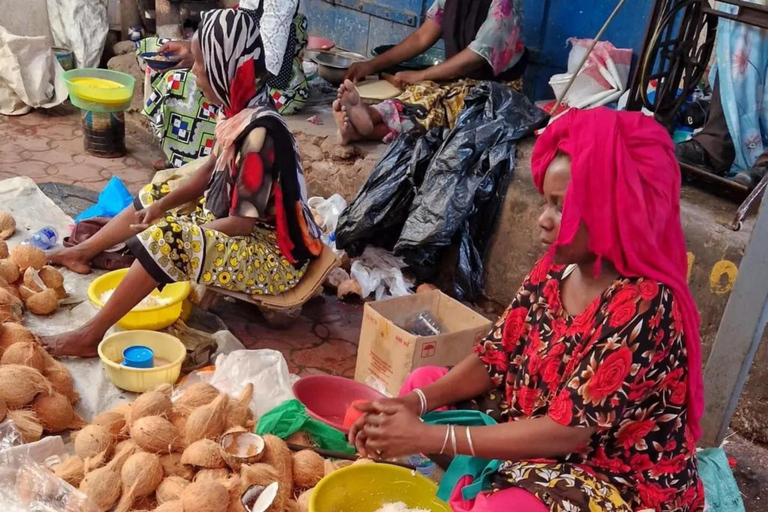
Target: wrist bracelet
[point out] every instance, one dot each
(445, 441)
(471, 445)
(422, 401)
(453, 439)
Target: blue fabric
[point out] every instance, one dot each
(481, 470)
(113, 199)
(720, 489)
(742, 63)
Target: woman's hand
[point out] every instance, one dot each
(359, 70)
(376, 434)
(406, 78)
(147, 217)
(183, 50)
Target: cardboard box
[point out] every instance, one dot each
(388, 353)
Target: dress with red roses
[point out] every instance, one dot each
(619, 367)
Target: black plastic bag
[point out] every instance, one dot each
(377, 213)
(465, 185)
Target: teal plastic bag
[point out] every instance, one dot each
(720, 488)
(291, 417)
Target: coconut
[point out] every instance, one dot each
(7, 225)
(25, 256)
(11, 333)
(329, 467)
(11, 313)
(151, 403)
(114, 422)
(51, 277)
(146, 503)
(207, 422)
(170, 489)
(56, 413)
(264, 475)
(196, 395)
(301, 438)
(13, 291)
(103, 485)
(238, 412)
(180, 422)
(278, 455)
(3, 410)
(25, 292)
(172, 466)
(239, 448)
(156, 435)
(293, 506)
(93, 444)
(9, 271)
(4, 249)
(216, 475)
(43, 303)
(303, 501)
(19, 385)
(124, 409)
(7, 298)
(308, 469)
(33, 281)
(205, 496)
(60, 379)
(72, 470)
(141, 474)
(258, 498)
(27, 354)
(360, 462)
(170, 506)
(203, 454)
(28, 424)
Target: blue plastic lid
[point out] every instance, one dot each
(138, 356)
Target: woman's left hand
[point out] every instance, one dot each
(392, 430)
(406, 78)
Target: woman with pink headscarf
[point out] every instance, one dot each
(593, 373)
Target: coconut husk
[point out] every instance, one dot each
(43, 303)
(11, 333)
(71, 470)
(7, 226)
(114, 422)
(28, 424)
(147, 503)
(303, 500)
(212, 474)
(203, 454)
(31, 279)
(308, 469)
(278, 455)
(238, 412)
(156, 435)
(301, 438)
(94, 444)
(55, 413)
(205, 496)
(3, 410)
(140, 475)
(196, 395)
(207, 422)
(19, 385)
(264, 475)
(27, 353)
(172, 466)
(11, 312)
(170, 489)
(9, 271)
(4, 249)
(151, 403)
(25, 256)
(61, 380)
(103, 486)
(170, 506)
(51, 277)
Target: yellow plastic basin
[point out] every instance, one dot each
(166, 347)
(368, 487)
(155, 318)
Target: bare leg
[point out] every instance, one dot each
(116, 231)
(84, 341)
(348, 133)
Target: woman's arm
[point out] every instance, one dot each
(460, 65)
(191, 190)
(415, 44)
(232, 225)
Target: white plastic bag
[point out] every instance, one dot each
(265, 369)
(379, 272)
(326, 213)
(603, 78)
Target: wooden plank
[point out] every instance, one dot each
(738, 336)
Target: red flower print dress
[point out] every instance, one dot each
(618, 367)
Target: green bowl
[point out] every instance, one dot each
(85, 93)
(426, 60)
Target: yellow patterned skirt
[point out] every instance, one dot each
(180, 248)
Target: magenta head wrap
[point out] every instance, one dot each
(625, 188)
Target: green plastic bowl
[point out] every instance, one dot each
(429, 58)
(86, 92)
(368, 487)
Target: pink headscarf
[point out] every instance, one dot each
(625, 187)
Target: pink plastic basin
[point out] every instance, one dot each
(315, 43)
(327, 398)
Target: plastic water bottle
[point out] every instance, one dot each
(44, 238)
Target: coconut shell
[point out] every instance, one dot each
(308, 469)
(278, 455)
(205, 496)
(3, 249)
(216, 475)
(301, 438)
(3, 410)
(11, 313)
(9, 271)
(171, 506)
(72, 470)
(241, 448)
(196, 395)
(11, 333)
(32, 280)
(156, 435)
(7, 225)
(19, 385)
(51, 277)
(114, 422)
(7, 298)
(151, 403)
(43, 303)
(207, 422)
(172, 466)
(28, 424)
(55, 412)
(60, 378)
(25, 256)
(264, 475)
(27, 354)
(203, 454)
(170, 489)
(140, 475)
(103, 486)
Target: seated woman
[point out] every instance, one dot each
(594, 371)
(482, 42)
(248, 228)
(180, 115)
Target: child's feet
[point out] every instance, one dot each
(347, 132)
(357, 111)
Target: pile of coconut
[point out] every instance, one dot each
(194, 454)
(27, 282)
(36, 391)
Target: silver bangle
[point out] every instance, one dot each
(445, 441)
(422, 401)
(453, 440)
(471, 445)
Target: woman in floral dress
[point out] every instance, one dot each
(240, 223)
(593, 373)
(482, 42)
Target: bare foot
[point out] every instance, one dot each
(161, 164)
(78, 343)
(356, 109)
(70, 259)
(346, 132)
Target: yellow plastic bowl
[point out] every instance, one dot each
(139, 380)
(153, 319)
(368, 487)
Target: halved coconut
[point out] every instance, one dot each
(258, 498)
(240, 448)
